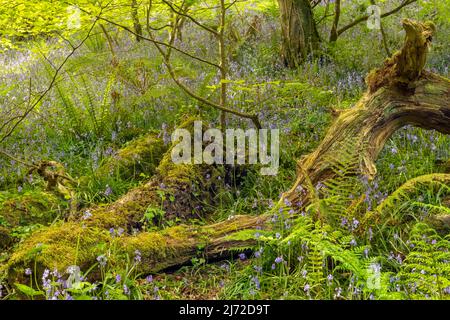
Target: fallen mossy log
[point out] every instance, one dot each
(183, 191)
(141, 155)
(66, 244)
(179, 190)
(400, 93)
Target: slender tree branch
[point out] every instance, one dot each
(172, 7)
(383, 34)
(154, 40)
(32, 105)
(158, 45)
(34, 166)
(366, 17)
(207, 102)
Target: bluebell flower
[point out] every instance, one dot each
(330, 278)
(108, 191)
(137, 256)
(102, 260)
(45, 274)
(355, 223)
(225, 267)
(125, 289)
(86, 215)
(258, 269)
(338, 292)
(255, 279)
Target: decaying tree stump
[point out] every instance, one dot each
(399, 93)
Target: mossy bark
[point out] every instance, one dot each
(67, 244)
(182, 191)
(139, 157)
(27, 209)
(58, 246)
(298, 31)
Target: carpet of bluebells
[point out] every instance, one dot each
(300, 258)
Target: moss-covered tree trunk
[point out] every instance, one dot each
(135, 17)
(298, 31)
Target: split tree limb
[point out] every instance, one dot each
(400, 93)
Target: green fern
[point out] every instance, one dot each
(426, 269)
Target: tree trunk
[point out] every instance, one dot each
(298, 30)
(400, 93)
(135, 16)
(337, 15)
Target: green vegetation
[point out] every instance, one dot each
(99, 87)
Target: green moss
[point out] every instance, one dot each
(185, 187)
(249, 235)
(58, 246)
(29, 208)
(159, 250)
(5, 237)
(434, 89)
(140, 157)
(180, 190)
